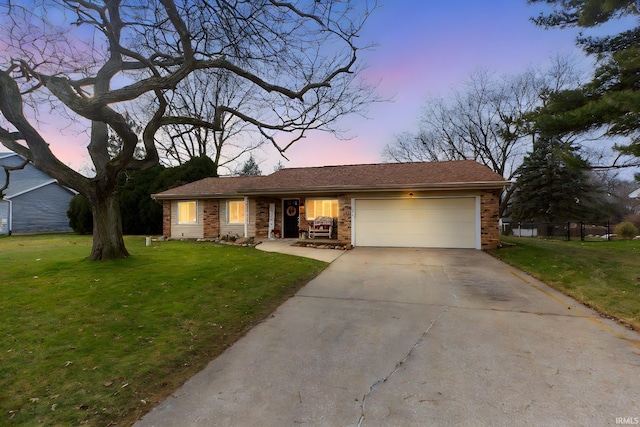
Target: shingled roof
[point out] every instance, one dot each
(367, 177)
(209, 187)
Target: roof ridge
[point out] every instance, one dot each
(375, 164)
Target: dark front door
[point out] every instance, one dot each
(291, 218)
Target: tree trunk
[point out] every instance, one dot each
(107, 230)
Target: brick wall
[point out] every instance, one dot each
(262, 216)
(166, 218)
(304, 224)
(211, 218)
(489, 222)
(344, 219)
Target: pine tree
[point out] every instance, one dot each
(553, 185)
(611, 100)
(250, 168)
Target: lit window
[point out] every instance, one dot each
(235, 212)
(321, 207)
(187, 212)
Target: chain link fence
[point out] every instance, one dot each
(585, 231)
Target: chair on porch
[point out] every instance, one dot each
(321, 226)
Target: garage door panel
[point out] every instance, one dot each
(445, 223)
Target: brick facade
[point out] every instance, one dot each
(211, 218)
(166, 218)
(262, 216)
(344, 219)
(489, 219)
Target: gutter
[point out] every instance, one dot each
(195, 196)
(373, 189)
(480, 185)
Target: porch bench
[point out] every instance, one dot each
(322, 226)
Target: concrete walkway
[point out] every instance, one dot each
(285, 246)
(412, 337)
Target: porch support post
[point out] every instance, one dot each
(272, 220)
(247, 215)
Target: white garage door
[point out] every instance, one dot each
(424, 223)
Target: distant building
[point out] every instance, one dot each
(34, 202)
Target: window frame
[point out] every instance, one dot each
(195, 211)
(244, 211)
(311, 201)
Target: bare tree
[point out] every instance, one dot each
(199, 97)
(483, 121)
(88, 62)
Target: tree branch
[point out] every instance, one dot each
(7, 170)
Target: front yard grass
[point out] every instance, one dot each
(101, 343)
(602, 275)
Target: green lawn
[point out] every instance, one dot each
(101, 343)
(603, 275)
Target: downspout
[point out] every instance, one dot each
(10, 216)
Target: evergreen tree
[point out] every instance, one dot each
(278, 167)
(250, 168)
(611, 101)
(552, 185)
(192, 170)
(139, 213)
(143, 215)
(79, 214)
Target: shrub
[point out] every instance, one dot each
(626, 230)
(80, 215)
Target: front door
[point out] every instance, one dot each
(291, 216)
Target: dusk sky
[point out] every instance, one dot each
(424, 48)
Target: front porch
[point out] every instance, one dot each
(292, 217)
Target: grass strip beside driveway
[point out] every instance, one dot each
(100, 343)
(603, 275)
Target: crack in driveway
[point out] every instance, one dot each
(397, 367)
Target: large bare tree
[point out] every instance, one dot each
(88, 62)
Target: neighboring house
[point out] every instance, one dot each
(34, 202)
(440, 205)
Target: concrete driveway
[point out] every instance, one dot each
(419, 337)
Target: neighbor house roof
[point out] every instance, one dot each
(367, 177)
(23, 180)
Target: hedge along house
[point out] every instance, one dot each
(440, 205)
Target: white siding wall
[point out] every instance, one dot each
(225, 227)
(188, 231)
(251, 229)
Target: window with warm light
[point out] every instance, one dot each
(187, 212)
(321, 207)
(235, 212)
